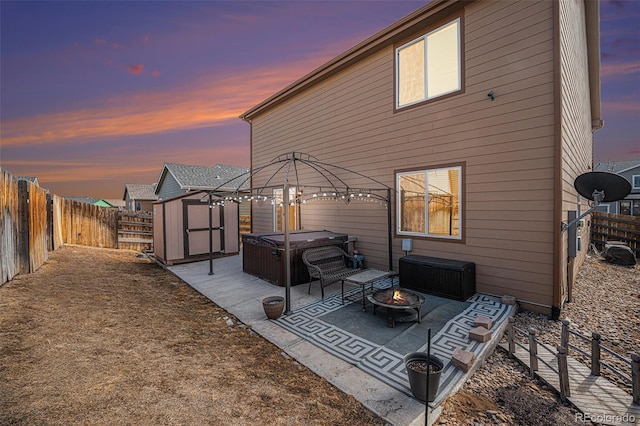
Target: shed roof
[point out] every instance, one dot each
(140, 191)
(192, 177)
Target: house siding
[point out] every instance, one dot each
(507, 147)
(169, 187)
(575, 126)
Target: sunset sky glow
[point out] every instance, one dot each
(98, 94)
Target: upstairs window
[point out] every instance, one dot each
(635, 181)
(429, 66)
(429, 202)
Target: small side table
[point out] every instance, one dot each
(366, 278)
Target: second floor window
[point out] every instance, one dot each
(429, 66)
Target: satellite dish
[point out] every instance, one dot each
(602, 186)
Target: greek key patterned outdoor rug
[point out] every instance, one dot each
(364, 340)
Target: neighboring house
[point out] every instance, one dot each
(102, 203)
(87, 200)
(630, 170)
(139, 196)
(486, 107)
(119, 204)
(176, 179)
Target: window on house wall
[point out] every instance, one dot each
(625, 207)
(635, 180)
(429, 202)
(278, 211)
(429, 66)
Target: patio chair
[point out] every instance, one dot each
(329, 264)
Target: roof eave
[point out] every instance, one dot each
(398, 30)
(592, 20)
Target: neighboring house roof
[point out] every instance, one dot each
(616, 166)
(102, 203)
(115, 202)
(203, 177)
(410, 24)
(140, 191)
(87, 200)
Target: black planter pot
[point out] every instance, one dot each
(418, 379)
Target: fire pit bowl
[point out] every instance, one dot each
(398, 300)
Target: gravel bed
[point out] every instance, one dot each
(606, 300)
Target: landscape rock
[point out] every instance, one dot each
(462, 359)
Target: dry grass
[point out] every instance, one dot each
(99, 336)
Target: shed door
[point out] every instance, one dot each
(196, 228)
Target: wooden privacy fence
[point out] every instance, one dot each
(85, 224)
(135, 231)
(23, 226)
(9, 259)
(615, 227)
(33, 222)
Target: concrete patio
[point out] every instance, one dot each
(241, 295)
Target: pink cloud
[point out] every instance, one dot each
(619, 68)
(136, 69)
(102, 42)
(206, 103)
(155, 73)
(622, 105)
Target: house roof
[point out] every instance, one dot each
(102, 203)
(87, 200)
(410, 24)
(140, 191)
(115, 202)
(191, 177)
(616, 166)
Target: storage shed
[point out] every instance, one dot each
(182, 226)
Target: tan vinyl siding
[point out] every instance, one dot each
(506, 146)
(576, 133)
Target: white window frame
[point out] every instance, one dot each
(426, 233)
(634, 184)
(274, 211)
(426, 76)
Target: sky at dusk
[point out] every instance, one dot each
(98, 94)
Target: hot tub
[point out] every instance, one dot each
(263, 253)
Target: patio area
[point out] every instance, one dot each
(352, 349)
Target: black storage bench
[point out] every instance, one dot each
(453, 279)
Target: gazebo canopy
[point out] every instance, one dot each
(313, 180)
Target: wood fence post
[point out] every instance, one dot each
(595, 354)
(511, 336)
(533, 352)
(564, 334)
(563, 373)
(635, 377)
(23, 227)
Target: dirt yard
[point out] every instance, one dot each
(99, 336)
